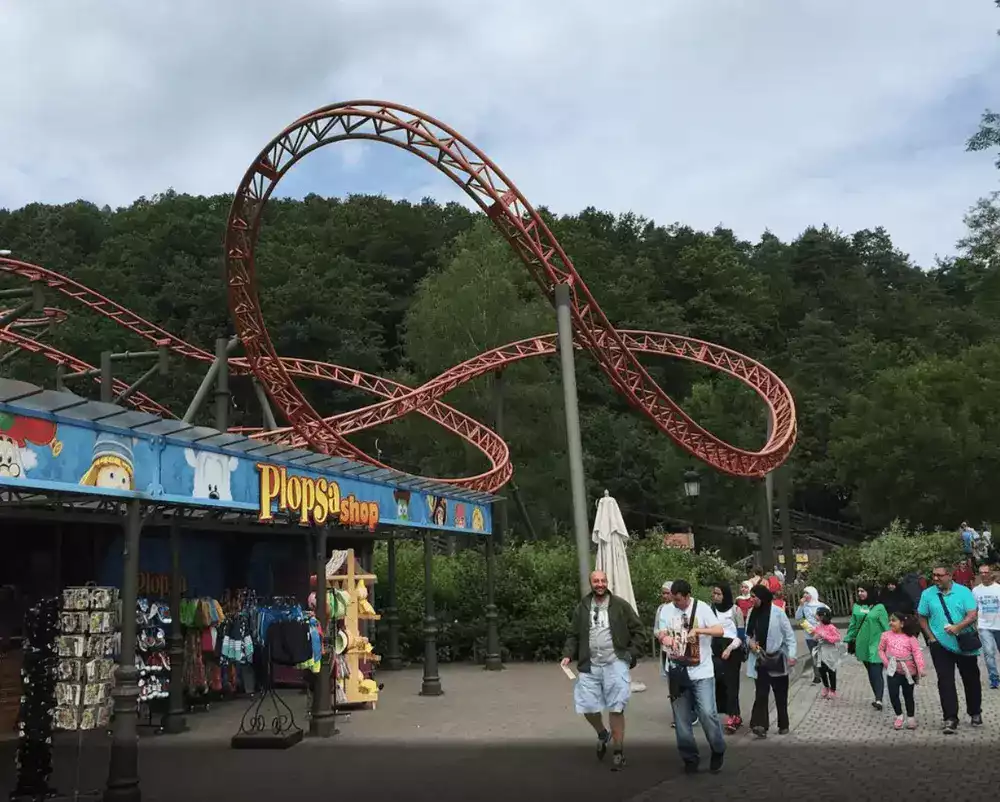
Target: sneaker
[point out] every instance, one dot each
(690, 766)
(737, 722)
(618, 761)
(950, 727)
(783, 731)
(715, 765)
(994, 683)
(877, 705)
(816, 680)
(977, 721)
(758, 732)
(825, 693)
(833, 695)
(911, 724)
(733, 723)
(602, 744)
(898, 723)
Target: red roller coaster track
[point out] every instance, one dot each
(614, 350)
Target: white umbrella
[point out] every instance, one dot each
(610, 536)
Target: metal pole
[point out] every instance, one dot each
(222, 394)
(581, 527)
(17, 292)
(393, 661)
(767, 517)
(494, 660)
(265, 405)
(322, 723)
(131, 390)
(516, 493)
(13, 314)
(60, 374)
(499, 507)
(174, 722)
(206, 383)
(791, 567)
(431, 685)
(107, 377)
(123, 765)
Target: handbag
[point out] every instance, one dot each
(851, 648)
(771, 662)
(968, 641)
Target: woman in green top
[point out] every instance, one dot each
(868, 621)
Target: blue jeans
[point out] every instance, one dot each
(991, 643)
(700, 699)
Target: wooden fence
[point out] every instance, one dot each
(839, 598)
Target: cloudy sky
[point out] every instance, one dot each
(767, 114)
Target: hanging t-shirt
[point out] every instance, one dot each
(988, 602)
(696, 656)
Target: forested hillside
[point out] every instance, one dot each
(895, 367)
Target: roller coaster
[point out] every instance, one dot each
(615, 351)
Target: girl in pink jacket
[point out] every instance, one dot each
(904, 665)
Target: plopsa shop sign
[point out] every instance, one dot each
(314, 501)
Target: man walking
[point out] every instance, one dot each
(605, 639)
(987, 595)
(686, 636)
(947, 610)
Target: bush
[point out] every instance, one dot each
(536, 589)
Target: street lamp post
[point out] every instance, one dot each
(692, 484)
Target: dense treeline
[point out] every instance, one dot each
(895, 369)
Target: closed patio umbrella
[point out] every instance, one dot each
(610, 536)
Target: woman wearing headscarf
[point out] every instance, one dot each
(727, 655)
(745, 600)
(896, 600)
(868, 621)
(806, 613)
(773, 649)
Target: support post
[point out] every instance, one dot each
(123, 765)
(564, 329)
(206, 383)
(133, 388)
(393, 661)
(791, 568)
(60, 374)
(222, 394)
(13, 314)
(499, 507)
(431, 685)
(265, 405)
(174, 721)
(494, 661)
(322, 723)
(107, 377)
(523, 510)
(767, 558)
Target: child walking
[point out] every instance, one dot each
(828, 652)
(904, 665)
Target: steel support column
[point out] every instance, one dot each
(393, 661)
(107, 378)
(767, 558)
(206, 383)
(783, 477)
(431, 685)
(322, 723)
(222, 394)
(494, 661)
(174, 721)
(123, 765)
(581, 527)
(500, 522)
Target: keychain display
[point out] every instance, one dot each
(152, 661)
(38, 673)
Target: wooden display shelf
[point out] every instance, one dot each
(351, 684)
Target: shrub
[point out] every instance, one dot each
(536, 588)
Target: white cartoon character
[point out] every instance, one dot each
(16, 435)
(212, 473)
(111, 467)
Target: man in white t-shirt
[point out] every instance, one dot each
(988, 605)
(685, 631)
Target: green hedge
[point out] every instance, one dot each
(537, 586)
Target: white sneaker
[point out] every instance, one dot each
(911, 724)
(898, 723)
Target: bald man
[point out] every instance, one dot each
(605, 639)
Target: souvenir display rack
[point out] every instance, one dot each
(152, 662)
(358, 687)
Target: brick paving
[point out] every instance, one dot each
(514, 734)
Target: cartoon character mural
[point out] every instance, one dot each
(438, 509)
(212, 474)
(111, 466)
(460, 516)
(478, 523)
(402, 498)
(16, 433)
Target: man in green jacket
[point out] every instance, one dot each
(605, 639)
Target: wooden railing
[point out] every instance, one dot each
(839, 598)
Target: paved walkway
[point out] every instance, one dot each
(513, 734)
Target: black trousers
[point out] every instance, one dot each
(829, 677)
(945, 663)
(898, 683)
(876, 679)
(765, 684)
(727, 686)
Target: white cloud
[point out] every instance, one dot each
(753, 115)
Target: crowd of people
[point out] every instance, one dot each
(703, 647)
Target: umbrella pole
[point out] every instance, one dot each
(564, 328)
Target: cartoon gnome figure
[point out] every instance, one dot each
(16, 433)
(111, 466)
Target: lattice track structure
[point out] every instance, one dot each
(614, 350)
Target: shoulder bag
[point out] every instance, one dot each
(968, 640)
(851, 648)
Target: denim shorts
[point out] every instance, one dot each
(603, 688)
